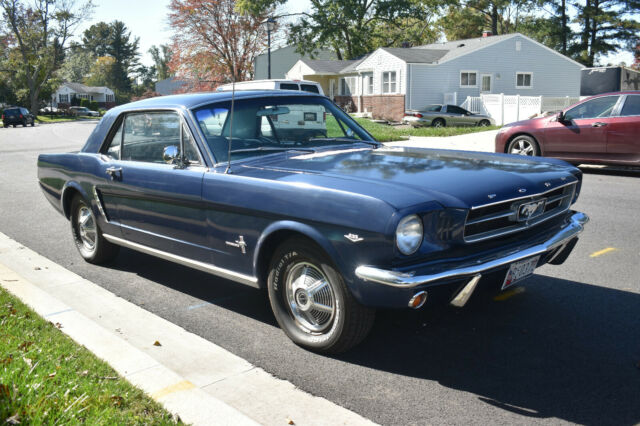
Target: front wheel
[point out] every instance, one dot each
(311, 301)
(93, 247)
(523, 145)
(484, 123)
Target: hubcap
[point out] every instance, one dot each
(522, 147)
(87, 228)
(310, 297)
(437, 124)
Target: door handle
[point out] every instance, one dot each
(114, 171)
(598, 124)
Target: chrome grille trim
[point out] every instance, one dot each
(506, 218)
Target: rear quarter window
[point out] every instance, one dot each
(309, 88)
(631, 106)
(289, 86)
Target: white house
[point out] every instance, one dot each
(390, 80)
(282, 60)
(103, 95)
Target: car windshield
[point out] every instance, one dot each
(433, 108)
(274, 124)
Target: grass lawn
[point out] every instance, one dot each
(60, 118)
(47, 378)
(386, 133)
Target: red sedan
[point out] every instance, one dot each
(603, 129)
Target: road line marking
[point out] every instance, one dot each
(509, 293)
(603, 251)
(176, 387)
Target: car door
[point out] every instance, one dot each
(623, 132)
(583, 129)
(155, 183)
(456, 116)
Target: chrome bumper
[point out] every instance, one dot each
(410, 280)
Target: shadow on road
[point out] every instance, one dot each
(564, 350)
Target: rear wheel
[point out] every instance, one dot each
(484, 123)
(93, 247)
(438, 122)
(311, 301)
(523, 145)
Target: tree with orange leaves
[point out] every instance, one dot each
(212, 43)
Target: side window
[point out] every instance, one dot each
(595, 108)
(456, 110)
(146, 135)
(114, 147)
(631, 106)
(190, 148)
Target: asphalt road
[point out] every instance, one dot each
(563, 348)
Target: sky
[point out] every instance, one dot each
(147, 19)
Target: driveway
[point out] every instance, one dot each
(479, 141)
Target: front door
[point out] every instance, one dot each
(158, 195)
(583, 130)
(486, 83)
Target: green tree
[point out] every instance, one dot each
(461, 23)
(38, 34)
(161, 57)
(76, 66)
(607, 26)
(114, 40)
(353, 28)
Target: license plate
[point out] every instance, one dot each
(519, 271)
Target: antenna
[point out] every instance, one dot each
(233, 98)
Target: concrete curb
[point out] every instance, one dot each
(192, 377)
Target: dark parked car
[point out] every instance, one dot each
(445, 115)
(17, 115)
(603, 129)
(332, 223)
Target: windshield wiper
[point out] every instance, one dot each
(345, 140)
(273, 149)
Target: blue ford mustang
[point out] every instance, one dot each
(284, 190)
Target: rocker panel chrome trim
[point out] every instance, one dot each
(201, 266)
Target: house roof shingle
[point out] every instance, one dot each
(417, 56)
(81, 88)
(327, 67)
(457, 48)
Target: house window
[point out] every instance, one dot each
(63, 98)
(368, 84)
(389, 82)
(109, 98)
(348, 86)
(468, 79)
(524, 80)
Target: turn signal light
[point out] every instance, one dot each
(418, 300)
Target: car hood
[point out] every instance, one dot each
(404, 177)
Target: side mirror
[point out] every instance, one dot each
(170, 154)
(560, 117)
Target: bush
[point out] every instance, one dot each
(84, 103)
(93, 105)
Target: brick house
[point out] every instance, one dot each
(390, 80)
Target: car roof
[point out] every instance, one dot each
(193, 100)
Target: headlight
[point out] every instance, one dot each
(409, 234)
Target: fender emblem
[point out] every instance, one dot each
(354, 238)
(238, 243)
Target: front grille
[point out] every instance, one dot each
(497, 219)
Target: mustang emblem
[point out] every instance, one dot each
(354, 238)
(530, 210)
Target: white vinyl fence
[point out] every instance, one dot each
(507, 109)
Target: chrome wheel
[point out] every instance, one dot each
(310, 297)
(437, 123)
(87, 228)
(522, 147)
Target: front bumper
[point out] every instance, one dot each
(554, 245)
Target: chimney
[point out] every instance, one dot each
(487, 33)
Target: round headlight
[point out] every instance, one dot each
(409, 234)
